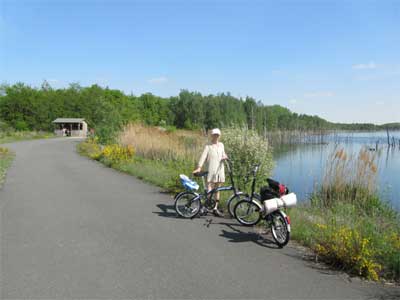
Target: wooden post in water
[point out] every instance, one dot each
(388, 137)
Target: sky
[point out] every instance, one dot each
(336, 59)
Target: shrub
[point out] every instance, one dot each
(21, 125)
(246, 148)
(346, 246)
(347, 239)
(116, 153)
(109, 154)
(90, 148)
(107, 134)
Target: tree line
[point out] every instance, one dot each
(34, 108)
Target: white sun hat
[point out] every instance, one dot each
(216, 131)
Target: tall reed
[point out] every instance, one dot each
(350, 179)
(157, 143)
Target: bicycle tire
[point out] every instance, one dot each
(187, 205)
(232, 201)
(279, 229)
(247, 212)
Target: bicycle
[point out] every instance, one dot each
(251, 210)
(189, 204)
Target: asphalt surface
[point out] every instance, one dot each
(74, 229)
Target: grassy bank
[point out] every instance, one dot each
(345, 223)
(155, 172)
(6, 157)
(13, 136)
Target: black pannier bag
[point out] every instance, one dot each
(273, 190)
(274, 185)
(267, 193)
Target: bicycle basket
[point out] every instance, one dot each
(188, 184)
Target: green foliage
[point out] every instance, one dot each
(6, 158)
(21, 125)
(5, 128)
(246, 149)
(28, 108)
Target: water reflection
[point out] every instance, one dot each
(301, 166)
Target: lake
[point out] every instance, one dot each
(301, 167)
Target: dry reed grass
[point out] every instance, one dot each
(349, 178)
(159, 144)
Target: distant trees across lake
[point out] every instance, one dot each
(28, 108)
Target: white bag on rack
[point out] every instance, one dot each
(288, 200)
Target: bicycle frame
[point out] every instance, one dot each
(222, 188)
(208, 194)
(253, 194)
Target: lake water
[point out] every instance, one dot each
(301, 167)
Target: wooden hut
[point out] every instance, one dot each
(70, 127)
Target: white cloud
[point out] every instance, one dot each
(52, 80)
(158, 80)
(293, 101)
(368, 66)
(319, 94)
(380, 102)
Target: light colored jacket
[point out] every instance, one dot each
(212, 155)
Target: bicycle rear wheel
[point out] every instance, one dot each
(247, 212)
(232, 201)
(187, 205)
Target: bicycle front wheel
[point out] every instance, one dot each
(247, 212)
(187, 205)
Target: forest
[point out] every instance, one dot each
(23, 107)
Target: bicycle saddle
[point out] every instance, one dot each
(200, 174)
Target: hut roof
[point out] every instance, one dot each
(68, 120)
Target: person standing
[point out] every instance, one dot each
(213, 155)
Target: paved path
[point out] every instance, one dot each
(72, 228)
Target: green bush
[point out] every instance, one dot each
(21, 126)
(246, 148)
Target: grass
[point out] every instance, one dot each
(154, 172)
(13, 136)
(6, 157)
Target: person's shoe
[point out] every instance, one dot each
(217, 213)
